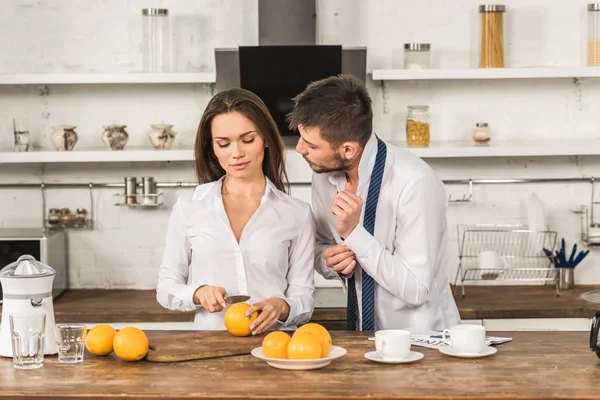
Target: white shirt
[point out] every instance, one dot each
(273, 259)
(407, 255)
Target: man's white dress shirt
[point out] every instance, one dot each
(407, 255)
(274, 257)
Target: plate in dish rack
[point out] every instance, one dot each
(313, 363)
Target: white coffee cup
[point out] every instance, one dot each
(392, 343)
(467, 339)
(490, 259)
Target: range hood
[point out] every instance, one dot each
(285, 60)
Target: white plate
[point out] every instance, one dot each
(313, 363)
(486, 351)
(411, 357)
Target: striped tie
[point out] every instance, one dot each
(368, 300)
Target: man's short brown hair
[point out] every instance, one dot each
(340, 106)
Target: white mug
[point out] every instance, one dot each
(489, 259)
(465, 338)
(392, 343)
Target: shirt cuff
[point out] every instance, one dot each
(292, 314)
(187, 297)
(360, 241)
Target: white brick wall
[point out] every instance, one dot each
(103, 36)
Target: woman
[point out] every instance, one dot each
(239, 232)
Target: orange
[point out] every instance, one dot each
(236, 321)
(130, 344)
(99, 340)
(321, 333)
(304, 345)
(274, 345)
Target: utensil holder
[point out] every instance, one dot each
(566, 278)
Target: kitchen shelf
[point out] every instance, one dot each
(508, 148)
(448, 149)
(485, 73)
(124, 78)
(76, 156)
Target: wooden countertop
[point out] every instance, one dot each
(480, 303)
(535, 365)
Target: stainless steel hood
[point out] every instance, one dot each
(285, 23)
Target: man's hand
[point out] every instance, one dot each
(269, 311)
(211, 298)
(346, 206)
(340, 259)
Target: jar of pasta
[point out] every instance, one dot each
(593, 52)
(492, 36)
(417, 126)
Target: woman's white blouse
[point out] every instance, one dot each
(275, 256)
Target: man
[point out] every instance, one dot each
(380, 211)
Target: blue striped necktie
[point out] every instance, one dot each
(368, 299)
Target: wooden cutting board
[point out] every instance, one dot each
(169, 346)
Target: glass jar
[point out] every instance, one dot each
(155, 39)
(492, 36)
(593, 22)
(482, 133)
(66, 218)
(417, 126)
(81, 217)
(417, 55)
(54, 216)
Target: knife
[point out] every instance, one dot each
(236, 298)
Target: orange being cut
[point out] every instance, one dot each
(303, 346)
(320, 333)
(275, 344)
(236, 321)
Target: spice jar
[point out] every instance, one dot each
(149, 190)
(66, 218)
(417, 126)
(155, 40)
(130, 190)
(80, 217)
(593, 52)
(54, 216)
(482, 133)
(416, 55)
(492, 36)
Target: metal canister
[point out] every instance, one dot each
(130, 190)
(149, 190)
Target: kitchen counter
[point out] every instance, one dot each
(535, 365)
(480, 303)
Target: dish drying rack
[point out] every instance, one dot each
(521, 248)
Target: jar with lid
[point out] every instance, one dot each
(66, 218)
(482, 133)
(417, 126)
(54, 216)
(81, 217)
(593, 28)
(417, 55)
(492, 36)
(155, 39)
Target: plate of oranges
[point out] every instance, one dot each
(309, 347)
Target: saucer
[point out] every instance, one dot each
(411, 357)
(486, 351)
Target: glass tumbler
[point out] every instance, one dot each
(27, 335)
(70, 340)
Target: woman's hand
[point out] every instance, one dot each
(211, 298)
(269, 311)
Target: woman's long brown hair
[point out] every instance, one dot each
(252, 107)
